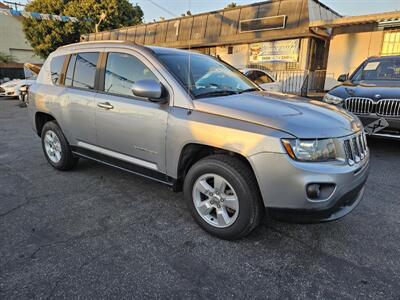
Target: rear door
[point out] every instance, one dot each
(130, 128)
(80, 85)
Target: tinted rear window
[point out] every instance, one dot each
(56, 66)
(81, 70)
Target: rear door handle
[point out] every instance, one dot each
(105, 105)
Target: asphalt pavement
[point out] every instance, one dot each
(97, 232)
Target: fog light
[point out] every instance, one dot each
(313, 191)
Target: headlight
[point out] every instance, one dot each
(331, 99)
(316, 150)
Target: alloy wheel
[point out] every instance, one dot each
(215, 200)
(52, 146)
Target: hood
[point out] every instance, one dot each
(11, 82)
(297, 116)
(375, 90)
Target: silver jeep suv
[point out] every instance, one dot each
(192, 122)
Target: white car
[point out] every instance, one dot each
(264, 79)
(11, 88)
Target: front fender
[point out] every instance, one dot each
(191, 127)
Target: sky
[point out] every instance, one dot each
(174, 8)
(154, 9)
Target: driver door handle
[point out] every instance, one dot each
(105, 105)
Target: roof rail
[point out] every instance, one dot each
(101, 42)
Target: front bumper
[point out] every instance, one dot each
(283, 183)
(8, 92)
(337, 210)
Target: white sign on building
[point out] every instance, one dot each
(276, 51)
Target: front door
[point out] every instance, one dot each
(129, 128)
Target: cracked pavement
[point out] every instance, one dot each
(97, 232)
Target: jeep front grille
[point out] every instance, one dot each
(388, 108)
(355, 148)
(359, 105)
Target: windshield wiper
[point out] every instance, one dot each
(216, 93)
(248, 90)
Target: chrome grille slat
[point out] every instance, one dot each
(391, 106)
(356, 151)
(355, 148)
(358, 105)
(360, 147)
(348, 152)
(388, 108)
(384, 107)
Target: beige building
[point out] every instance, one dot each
(354, 39)
(273, 34)
(306, 44)
(13, 39)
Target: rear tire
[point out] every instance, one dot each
(56, 148)
(210, 189)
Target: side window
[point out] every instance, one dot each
(85, 70)
(56, 66)
(122, 70)
(81, 70)
(262, 77)
(250, 75)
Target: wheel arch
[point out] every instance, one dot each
(42, 118)
(193, 152)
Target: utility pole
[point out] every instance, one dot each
(102, 17)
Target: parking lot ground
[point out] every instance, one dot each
(97, 232)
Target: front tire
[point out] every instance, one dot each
(222, 195)
(56, 147)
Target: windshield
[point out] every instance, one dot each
(376, 70)
(204, 76)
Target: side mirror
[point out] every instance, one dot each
(149, 89)
(343, 77)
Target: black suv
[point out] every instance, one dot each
(372, 92)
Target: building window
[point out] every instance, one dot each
(391, 43)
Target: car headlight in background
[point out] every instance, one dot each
(331, 99)
(317, 150)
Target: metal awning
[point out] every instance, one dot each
(389, 19)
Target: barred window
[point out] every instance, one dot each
(391, 43)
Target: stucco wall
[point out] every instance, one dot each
(12, 40)
(348, 50)
(239, 56)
